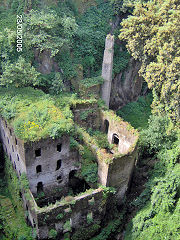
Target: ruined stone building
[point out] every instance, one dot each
(50, 163)
(52, 167)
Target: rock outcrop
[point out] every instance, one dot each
(126, 86)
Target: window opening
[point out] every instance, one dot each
(38, 169)
(59, 179)
(39, 187)
(59, 146)
(115, 139)
(38, 152)
(58, 164)
(106, 124)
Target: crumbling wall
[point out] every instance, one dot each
(120, 129)
(87, 115)
(52, 175)
(13, 147)
(117, 171)
(75, 211)
(44, 168)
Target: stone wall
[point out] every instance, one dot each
(47, 162)
(117, 173)
(117, 129)
(74, 211)
(13, 147)
(56, 162)
(87, 115)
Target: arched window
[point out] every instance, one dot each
(106, 125)
(58, 164)
(39, 187)
(38, 169)
(115, 139)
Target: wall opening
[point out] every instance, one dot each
(34, 224)
(39, 187)
(76, 184)
(38, 169)
(59, 179)
(10, 131)
(17, 157)
(38, 152)
(12, 148)
(16, 141)
(58, 164)
(106, 125)
(59, 147)
(8, 140)
(115, 139)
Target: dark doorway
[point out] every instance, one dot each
(115, 139)
(106, 125)
(76, 184)
(39, 187)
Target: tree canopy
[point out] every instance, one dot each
(20, 74)
(46, 30)
(152, 35)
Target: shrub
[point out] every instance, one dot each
(52, 234)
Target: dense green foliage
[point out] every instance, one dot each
(45, 30)
(152, 36)
(137, 113)
(14, 224)
(33, 114)
(19, 74)
(158, 217)
(89, 82)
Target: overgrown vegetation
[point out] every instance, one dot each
(152, 37)
(158, 217)
(137, 113)
(12, 212)
(33, 114)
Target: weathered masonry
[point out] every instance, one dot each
(49, 163)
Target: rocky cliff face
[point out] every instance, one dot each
(126, 86)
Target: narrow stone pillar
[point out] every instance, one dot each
(107, 67)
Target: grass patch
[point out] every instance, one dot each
(137, 113)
